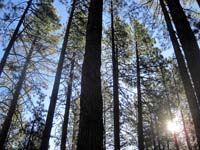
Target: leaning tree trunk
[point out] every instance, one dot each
(67, 105)
(115, 83)
(48, 125)
(139, 98)
(190, 94)
(188, 42)
(13, 38)
(12, 108)
(90, 135)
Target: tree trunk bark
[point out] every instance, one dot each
(13, 38)
(115, 83)
(188, 42)
(7, 122)
(67, 105)
(139, 98)
(190, 94)
(90, 135)
(48, 125)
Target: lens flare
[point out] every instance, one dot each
(173, 126)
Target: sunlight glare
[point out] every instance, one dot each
(172, 126)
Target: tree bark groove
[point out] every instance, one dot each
(90, 135)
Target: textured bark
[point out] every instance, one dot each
(12, 108)
(67, 105)
(190, 94)
(48, 125)
(13, 38)
(115, 83)
(90, 135)
(140, 109)
(188, 42)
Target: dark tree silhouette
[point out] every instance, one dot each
(54, 94)
(139, 98)
(189, 90)
(12, 108)
(188, 42)
(90, 135)
(67, 105)
(13, 38)
(115, 83)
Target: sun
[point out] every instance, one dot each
(173, 126)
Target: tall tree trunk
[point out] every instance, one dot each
(67, 105)
(104, 124)
(75, 110)
(13, 38)
(115, 83)
(152, 132)
(48, 125)
(182, 117)
(190, 94)
(90, 135)
(188, 42)
(158, 133)
(12, 108)
(139, 98)
(168, 104)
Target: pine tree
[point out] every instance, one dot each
(68, 103)
(139, 98)
(115, 83)
(192, 100)
(91, 123)
(13, 38)
(13, 105)
(54, 94)
(188, 42)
